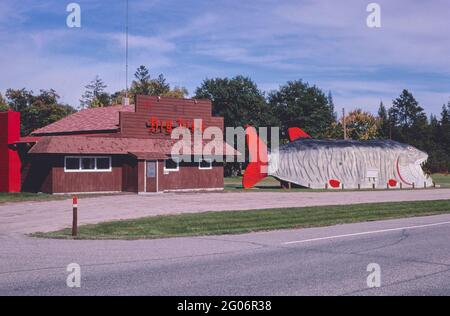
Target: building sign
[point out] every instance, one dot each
(156, 125)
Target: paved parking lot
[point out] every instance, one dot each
(28, 217)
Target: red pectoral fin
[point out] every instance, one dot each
(296, 133)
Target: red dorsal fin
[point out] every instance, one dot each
(296, 133)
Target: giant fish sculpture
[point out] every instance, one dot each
(348, 164)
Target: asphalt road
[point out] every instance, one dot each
(29, 217)
(413, 254)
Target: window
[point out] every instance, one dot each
(87, 164)
(171, 165)
(151, 169)
(72, 163)
(205, 164)
(103, 163)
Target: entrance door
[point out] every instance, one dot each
(151, 176)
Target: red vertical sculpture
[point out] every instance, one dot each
(9, 158)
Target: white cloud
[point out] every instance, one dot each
(143, 42)
(31, 63)
(369, 94)
(322, 41)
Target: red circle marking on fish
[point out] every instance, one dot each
(334, 183)
(392, 183)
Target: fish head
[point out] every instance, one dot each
(412, 156)
(410, 166)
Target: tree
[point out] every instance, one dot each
(37, 116)
(437, 143)
(410, 125)
(445, 114)
(117, 97)
(95, 95)
(408, 120)
(142, 74)
(3, 106)
(406, 111)
(441, 137)
(239, 101)
(20, 99)
(177, 92)
(45, 97)
(331, 105)
(360, 126)
(102, 100)
(383, 122)
(298, 104)
(159, 86)
(142, 84)
(37, 110)
(145, 85)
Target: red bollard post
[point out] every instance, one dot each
(75, 216)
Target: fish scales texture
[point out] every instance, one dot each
(313, 163)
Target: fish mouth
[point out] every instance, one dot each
(413, 173)
(421, 162)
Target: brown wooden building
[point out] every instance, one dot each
(120, 149)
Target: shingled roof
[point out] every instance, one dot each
(85, 121)
(79, 133)
(92, 145)
(98, 145)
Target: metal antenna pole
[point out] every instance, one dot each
(344, 123)
(126, 57)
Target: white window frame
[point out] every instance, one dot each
(205, 168)
(87, 170)
(177, 160)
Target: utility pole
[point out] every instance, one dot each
(75, 216)
(344, 124)
(126, 101)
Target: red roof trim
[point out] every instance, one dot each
(29, 139)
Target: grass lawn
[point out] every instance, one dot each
(231, 183)
(23, 197)
(442, 179)
(36, 197)
(268, 184)
(237, 222)
(272, 184)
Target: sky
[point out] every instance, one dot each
(325, 43)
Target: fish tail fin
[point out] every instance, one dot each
(257, 169)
